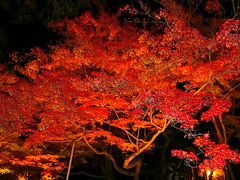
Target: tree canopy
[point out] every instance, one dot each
(110, 83)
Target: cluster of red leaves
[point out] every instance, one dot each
(184, 155)
(216, 156)
(180, 50)
(187, 45)
(103, 136)
(212, 6)
(49, 163)
(174, 104)
(218, 107)
(228, 36)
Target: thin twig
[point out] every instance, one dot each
(232, 90)
(90, 175)
(219, 135)
(70, 161)
(223, 128)
(214, 77)
(128, 134)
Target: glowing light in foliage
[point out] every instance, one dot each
(214, 174)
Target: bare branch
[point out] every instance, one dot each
(70, 160)
(109, 156)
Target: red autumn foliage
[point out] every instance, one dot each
(212, 6)
(216, 156)
(112, 84)
(185, 155)
(218, 107)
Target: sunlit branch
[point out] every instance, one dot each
(213, 78)
(223, 128)
(205, 84)
(128, 133)
(70, 160)
(88, 174)
(132, 156)
(116, 113)
(231, 90)
(138, 133)
(145, 114)
(64, 141)
(217, 130)
(151, 120)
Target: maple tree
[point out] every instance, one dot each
(109, 83)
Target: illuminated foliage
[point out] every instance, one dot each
(112, 84)
(216, 155)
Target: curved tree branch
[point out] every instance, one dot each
(127, 162)
(120, 170)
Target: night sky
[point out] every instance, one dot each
(24, 23)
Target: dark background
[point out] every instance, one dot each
(24, 23)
